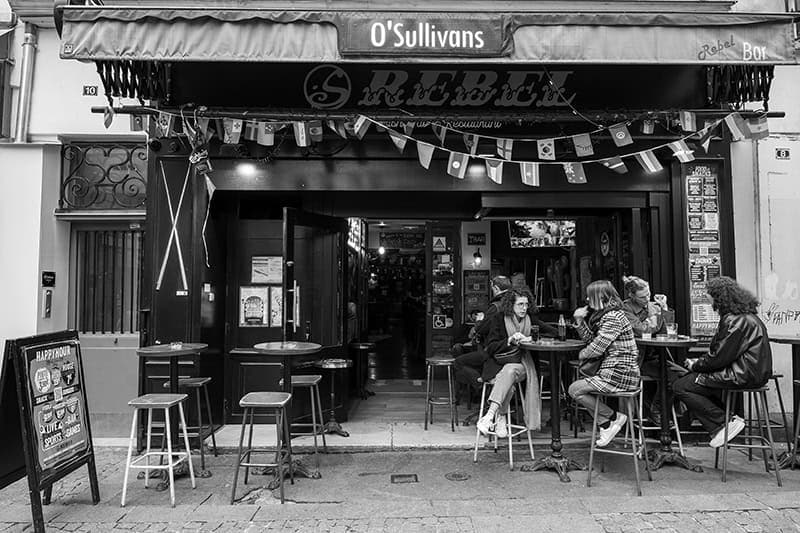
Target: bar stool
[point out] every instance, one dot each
(514, 430)
(647, 427)
(758, 396)
(275, 401)
(638, 446)
(576, 420)
(198, 384)
(430, 396)
(774, 424)
(311, 382)
(332, 426)
(792, 451)
(163, 402)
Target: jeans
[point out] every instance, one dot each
(467, 368)
(705, 403)
(583, 392)
(504, 381)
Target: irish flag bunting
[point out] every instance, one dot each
(398, 140)
(648, 161)
(425, 154)
(529, 172)
(494, 169)
(736, 125)
(574, 172)
(688, 120)
(457, 165)
(681, 150)
(505, 147)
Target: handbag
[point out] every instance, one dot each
(509, 354)
(589, 367)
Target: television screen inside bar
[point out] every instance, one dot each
(541, 233)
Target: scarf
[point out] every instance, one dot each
(532, 406)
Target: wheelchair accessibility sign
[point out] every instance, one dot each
(439, 322)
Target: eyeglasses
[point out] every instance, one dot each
(521, 304)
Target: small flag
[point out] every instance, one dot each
(547, 149)
(471, 142)
(574, 172)
(583, 145)
(705, 139)
(648, 126)
(440, 132)
(505, 148)
(301, 136)
(315, 130)
(338, 127)
(494, 169)
(616, 164)
(529, 172)
(425, 154)
(408, 128)
(233, 130)
(681, 150)
(736, 125)
(164, 124)
(265, 133)
(688, 120)
(250, 131)
(361, 126)
(620, 134)
(137, 122)
(648, 161)
(457, 164)
(108, 116)
(398, 140)
(210, 187)
(759, 129)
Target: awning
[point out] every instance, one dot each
(99, 33)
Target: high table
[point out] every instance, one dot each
(556, 460)
(788, 460)
(289, 350)
(173, 352)
(665, 453)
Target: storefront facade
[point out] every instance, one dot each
(281, 222)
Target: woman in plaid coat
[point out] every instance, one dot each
(611, 340)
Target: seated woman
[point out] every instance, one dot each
(507, 329)
(739, 357)
(611, 340)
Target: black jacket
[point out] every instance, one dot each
(739, 355)
(497, 339)
(482, 329)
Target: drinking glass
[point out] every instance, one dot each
(534, 333)
(672, 331)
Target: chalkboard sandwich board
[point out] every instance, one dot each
(43, 416)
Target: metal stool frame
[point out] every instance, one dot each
(431, 400)
(514, 430)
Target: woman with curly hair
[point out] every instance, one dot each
(508, 364)
(610, 338)
(739, 357)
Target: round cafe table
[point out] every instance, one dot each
(288, 350)
(789, 460)
(556, 460)
(665, 453)
(173, 352)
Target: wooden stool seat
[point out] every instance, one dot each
(265, 400)
(157, 401)
(306, 381)
(334, 364)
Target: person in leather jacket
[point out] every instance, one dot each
(739, 357)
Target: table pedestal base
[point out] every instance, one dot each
(334, 427)
(659, 457)
(559, 463)
(300, 470)
(787, 460)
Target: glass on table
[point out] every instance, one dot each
(672, 331)
(534, 333)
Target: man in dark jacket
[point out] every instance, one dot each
(739, 357)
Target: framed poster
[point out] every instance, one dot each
(266, 269)
(253, 306)
(275, 307)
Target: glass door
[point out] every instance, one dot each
(443, 286)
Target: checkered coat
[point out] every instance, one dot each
(614, 343)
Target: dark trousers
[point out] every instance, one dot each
(651, 368)
(468, 367)
(705, 403)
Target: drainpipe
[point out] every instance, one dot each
(29, 45)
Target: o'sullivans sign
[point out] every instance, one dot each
(422, 36)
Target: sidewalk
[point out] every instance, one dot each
(356, 494)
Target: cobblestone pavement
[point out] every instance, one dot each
(355, 494)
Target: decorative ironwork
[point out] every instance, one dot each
(103, 176)
(736, 85)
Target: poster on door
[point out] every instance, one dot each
(703, 243)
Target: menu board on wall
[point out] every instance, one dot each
(703, 239)
(476, 291)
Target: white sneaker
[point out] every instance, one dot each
(485, 425)
(607, 434)
(500, 427)
(735, 426)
